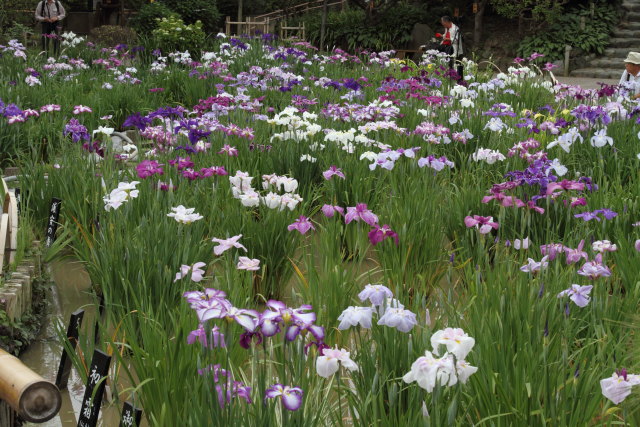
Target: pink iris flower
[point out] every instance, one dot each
(360, 212)
(483, 223)
(302, 224)
(226, 244)
(333, 170)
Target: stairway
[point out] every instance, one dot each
(626, 38)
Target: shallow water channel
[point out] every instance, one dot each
(70, 292)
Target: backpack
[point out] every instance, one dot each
(44, 2)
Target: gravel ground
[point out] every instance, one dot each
(587, 83)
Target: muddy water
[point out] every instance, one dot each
(43, 355)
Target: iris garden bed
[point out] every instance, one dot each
(305, 238)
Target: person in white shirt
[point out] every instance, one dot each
(452, 37)
(50, 13)
(631, 76)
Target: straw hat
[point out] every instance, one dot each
(633, 58)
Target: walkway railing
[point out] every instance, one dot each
(8, 226)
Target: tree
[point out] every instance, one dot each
(541, 10)
(374, 9)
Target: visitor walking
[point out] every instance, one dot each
(631, 75)
(50, 13)
(452, 43)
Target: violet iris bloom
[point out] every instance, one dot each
(200, 335)
(578, 294)
(302, 224)
(533, 267)
(376, 294)
(333, 170)
(226, 244)
(197, 273)
(210, 304)
(148, 168)
(360, 212)
(396, 317)
(378, 234)
(329, 210)
(291, 396)
(594, 269)
(181, 163)
(76, 130)
(574, 255)
(483, 223)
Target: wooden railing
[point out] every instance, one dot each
(300, 9)
(8, 226)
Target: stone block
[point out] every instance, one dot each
(21, 303)
(8, 300)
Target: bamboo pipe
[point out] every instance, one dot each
(33, 398)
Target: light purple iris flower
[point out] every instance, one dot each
(295, 320)
(533, 266)
(594, 269)
(302, 224)
(575, 255)
(248, 319)
(353, 316)
(376, 294)
(210, 304)
(360, 212)
(333, 171)
(483, 223)
(291, 396)
(329, 211)
(197, 273)
(225, 244)
(399, 318)
(200, 335)
(578, 294)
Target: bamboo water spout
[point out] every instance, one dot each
(33, 398)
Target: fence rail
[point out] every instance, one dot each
(8, 226)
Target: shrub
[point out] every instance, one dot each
(173, 34)
(112, 35)
(192, 11)
(348, 29)
(146, 20)
(566, 31)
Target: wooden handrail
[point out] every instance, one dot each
(33, 398)
(8, 226)
(303, 7)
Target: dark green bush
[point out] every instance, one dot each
(112, 35)
(566, 31)
(348, 29)
(146, 20)
(196, 10)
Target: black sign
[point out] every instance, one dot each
(131, 416)
(72, 335)
(52, 224)
(96, 331)
(16, 193)
(95, 389)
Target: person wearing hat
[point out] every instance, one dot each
(631, 75)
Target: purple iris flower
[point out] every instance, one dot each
(148, 168)
(302, 224)
(291, 396)
(399, 318)
(200, 335)
(588, 216)
(360, 212)
(77, 131)
(578, 294)
(378, 234)
(607, 213)
(376, 294)
(137, 120)
(333, 170)
(329, 210)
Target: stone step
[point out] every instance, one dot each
(597, 73)
(616, 52)
(631, 6)
(627, 34)
(632, 16)
(629, 25)
(608, 63)
(630, 42)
